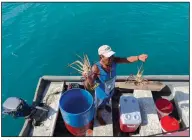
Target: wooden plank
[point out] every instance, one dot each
(152, 85)
(51, 97)
(150, 121)
(106, 130)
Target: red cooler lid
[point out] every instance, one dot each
(169, 123)
(164, 105)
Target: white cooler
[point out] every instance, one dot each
(130, 116)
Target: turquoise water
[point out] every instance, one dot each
(42, 38)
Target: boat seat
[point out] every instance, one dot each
(51, 96)
(150, 121)
(106, 130)
(181, 99)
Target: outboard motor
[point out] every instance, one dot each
(17, 107)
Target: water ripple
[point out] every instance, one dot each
(15, 12)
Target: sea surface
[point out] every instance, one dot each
(42, 38)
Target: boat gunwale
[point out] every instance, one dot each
(36, 100)
(122, 78)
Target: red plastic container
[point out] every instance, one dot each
(130, 117)
(164, 107)
(169, 124)
(79, 131)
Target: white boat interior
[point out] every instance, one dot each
(175, 88)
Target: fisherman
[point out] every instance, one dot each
(104, 73)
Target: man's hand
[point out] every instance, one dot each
(86, 74)
(143, 57)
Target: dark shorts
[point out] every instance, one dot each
(103, 104)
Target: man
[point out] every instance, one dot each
(104, 73)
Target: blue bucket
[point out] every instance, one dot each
(77, 109)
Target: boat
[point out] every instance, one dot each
(174, 88)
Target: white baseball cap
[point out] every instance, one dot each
(106, 51)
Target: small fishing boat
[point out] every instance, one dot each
(44, 116)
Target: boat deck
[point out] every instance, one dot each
(51, 98)
(150, 121)
(106, 130)
(177, 91)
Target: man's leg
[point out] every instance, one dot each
(107, 107)
(101, 105)
(100, 108)
(99, 116)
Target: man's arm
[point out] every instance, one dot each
(131, 59)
